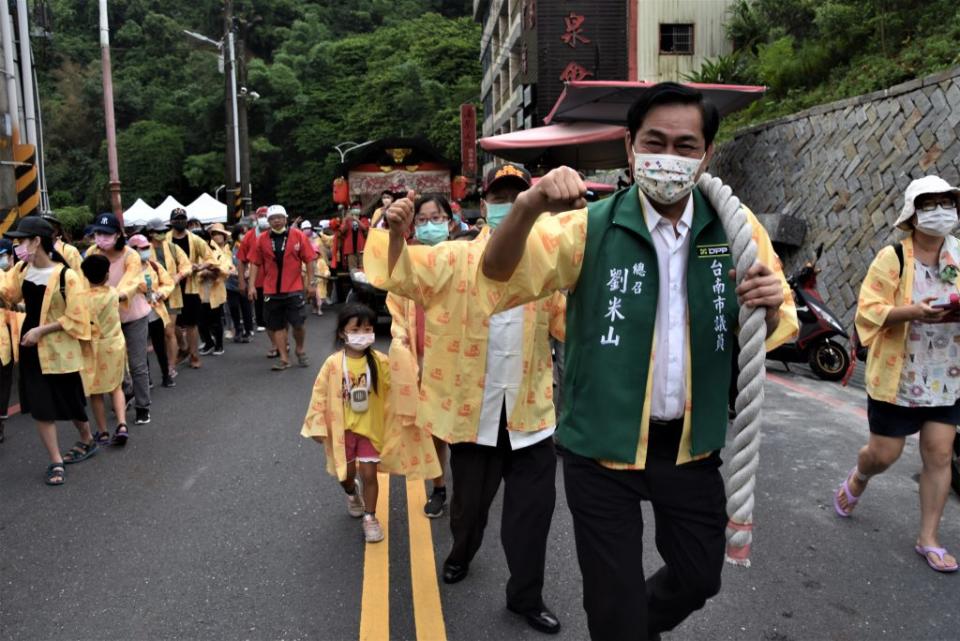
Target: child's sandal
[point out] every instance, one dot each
(120, 438)
(102, 438)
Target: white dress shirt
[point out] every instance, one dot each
(502, 383)
(669, 392)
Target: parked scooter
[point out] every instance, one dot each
(818, 326)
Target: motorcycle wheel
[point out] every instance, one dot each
(955, 466)
(829, 360)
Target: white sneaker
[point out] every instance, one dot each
(372, 531)
(355, 504)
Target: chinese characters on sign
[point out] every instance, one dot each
(574, 32)
(719, 289)
(572, 35)
(619, 283)
(574, 71)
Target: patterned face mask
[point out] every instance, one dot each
(665, 178)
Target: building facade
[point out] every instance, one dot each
(530, 48)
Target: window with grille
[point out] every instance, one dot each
(676, 38)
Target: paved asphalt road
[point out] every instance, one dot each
(219, 522)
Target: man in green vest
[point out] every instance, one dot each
(651, 326)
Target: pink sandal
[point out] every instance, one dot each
(926, 550)
(851, 499)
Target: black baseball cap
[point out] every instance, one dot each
(31, 226)
(178, 212)
(106, 223)
(508, 173)
(51, 218)
(6, 246)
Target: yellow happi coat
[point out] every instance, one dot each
(70, 254)
(552, 261)
(404, 359)
(321, 270)
(132, 280)
(443, 278)
(59, 352)
(10, 323)
(200, 254)
(176, 262)
(883, 289)
(405, 451)
(163, 286)
(105, 355)
(213, 289)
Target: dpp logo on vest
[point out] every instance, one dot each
(712, 251)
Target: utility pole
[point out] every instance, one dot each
(108, 114)
(246, 191)
(235, 196)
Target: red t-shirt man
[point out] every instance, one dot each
(280, 254)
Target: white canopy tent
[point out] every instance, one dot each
(207, 209)
(162, 211)
(138, 214)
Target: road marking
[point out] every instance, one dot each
(375, 604)
(859, 412)
(427, 608)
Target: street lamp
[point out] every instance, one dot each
(352, 146)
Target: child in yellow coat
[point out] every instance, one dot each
(105, 355)
(349, 414)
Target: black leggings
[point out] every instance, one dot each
(159, 341)
(240, 308)
(211, 326)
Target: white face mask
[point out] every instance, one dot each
(938, 222)
(665, 178)
(360, 342)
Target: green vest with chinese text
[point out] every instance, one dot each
(611, 318)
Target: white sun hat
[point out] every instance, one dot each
(919, 187)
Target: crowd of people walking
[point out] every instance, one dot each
(646, 317)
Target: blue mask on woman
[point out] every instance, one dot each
(432, 233)
(496, 212)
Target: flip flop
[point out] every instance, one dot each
(851, 499)
(280, 366)
(925, 550)
(302, 360)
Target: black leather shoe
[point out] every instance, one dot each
(454, 573)
(540, 619)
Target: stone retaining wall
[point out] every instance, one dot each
(843, 168)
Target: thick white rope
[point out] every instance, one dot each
(742, 468)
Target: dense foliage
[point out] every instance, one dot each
(326, 72)
(814, 51)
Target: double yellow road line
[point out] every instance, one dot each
(375, 604)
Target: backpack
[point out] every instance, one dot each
(858, 351)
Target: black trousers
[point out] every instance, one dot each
(159, 342)
(6, 385)
(258, 309)
(690, 519)
(529, 476)
(240, 308)
(211, 326)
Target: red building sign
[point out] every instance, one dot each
(468, 140)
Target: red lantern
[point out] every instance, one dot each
(458, 187)
(341, 191)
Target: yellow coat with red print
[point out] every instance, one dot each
(443, 279)
(883, 289)
(406, 450)
(132, 280)
(552, 261)
(105, 356)
(213, 289)
(176, 262)
(164, 288)
(59, 352)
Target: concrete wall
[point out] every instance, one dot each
(843, 167)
